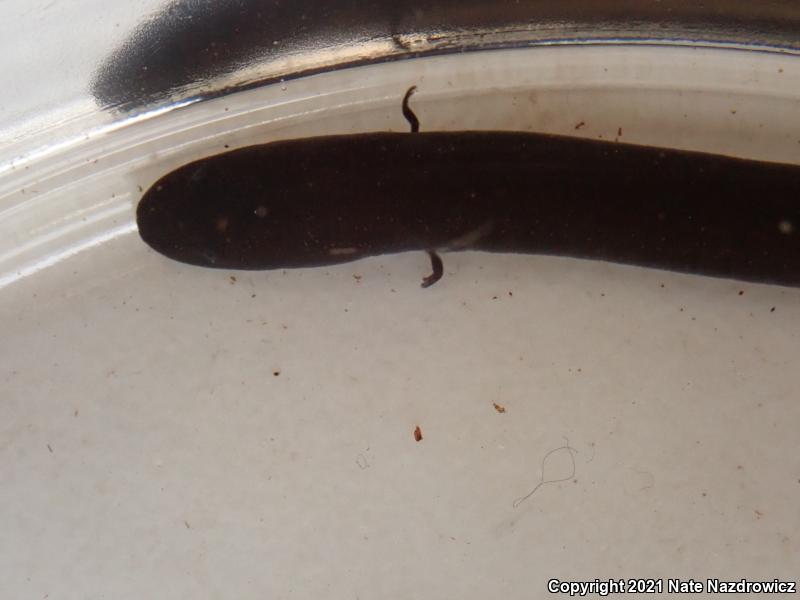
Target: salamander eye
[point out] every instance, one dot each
(221, 224)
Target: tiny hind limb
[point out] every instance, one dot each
(438, 270)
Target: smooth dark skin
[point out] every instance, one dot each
(326, 200)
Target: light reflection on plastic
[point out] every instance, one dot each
(56, 233)
(30, 157)
(53, 259)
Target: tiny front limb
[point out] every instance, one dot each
(408, 113)
(438, 270)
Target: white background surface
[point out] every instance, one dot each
(148, 449)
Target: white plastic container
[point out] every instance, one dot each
(174, 432)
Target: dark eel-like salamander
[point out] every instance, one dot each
(325, 200)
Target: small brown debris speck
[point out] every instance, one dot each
(739, 468)
(498, 407)
(233, 279)
(619, 132)
(579, 125)
(510, 294)
(50, 448)
(772, 309)
(733, 111)
(252, 295)
(759, 514)
(741, 292)
(357, 277)
(187, 524)
(494, 297)
(140, 188)
(418, 434)
(75, 414)
(276, 373)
